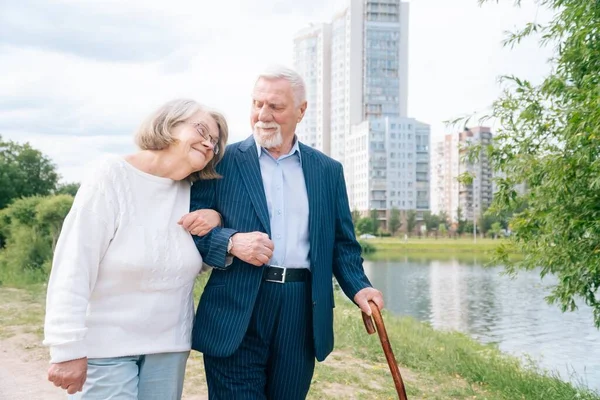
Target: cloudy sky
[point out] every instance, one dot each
(78, 76)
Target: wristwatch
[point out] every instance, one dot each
(229, 245)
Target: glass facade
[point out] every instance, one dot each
(382, 59)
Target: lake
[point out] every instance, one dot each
(463, 295)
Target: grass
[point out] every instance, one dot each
(486, 373)
(435, 365)
(22, 310)
(462, 245)
(463, 249)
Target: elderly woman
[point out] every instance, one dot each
(119, 308)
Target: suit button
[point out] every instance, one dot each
(314, 303)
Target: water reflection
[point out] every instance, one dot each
(463, 295)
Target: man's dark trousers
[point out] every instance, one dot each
(276, 358)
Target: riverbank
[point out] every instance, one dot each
(435, 365)
(393, 247)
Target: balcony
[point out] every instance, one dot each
(378, 205)
(378, 185)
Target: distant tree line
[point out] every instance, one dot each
(33, 205)
(406, 222)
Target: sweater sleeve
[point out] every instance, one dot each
(85, 236)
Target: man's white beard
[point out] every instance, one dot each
(267, 140)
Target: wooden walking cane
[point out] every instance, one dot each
(387, 348)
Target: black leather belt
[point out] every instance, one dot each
(282, 275)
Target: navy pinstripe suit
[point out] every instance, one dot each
(228, 302)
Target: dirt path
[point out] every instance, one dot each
(23, 366)
(23, 371)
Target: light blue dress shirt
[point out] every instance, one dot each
(287, 201)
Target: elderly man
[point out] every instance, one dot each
(267, 310)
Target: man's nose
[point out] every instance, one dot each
(264, 114)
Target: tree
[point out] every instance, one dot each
(411, 221)
(4, 228)
(374, 215)
(31, 226)
(495, 229)
(365, 225)
(461, 221)
(51, 213)
(71, 189)
(488, 219)
(549, 140)
(484, 224)
(394, 223)
(468, 227)
(431, 221)
(442, 230)
(444, 218)
(24, 172)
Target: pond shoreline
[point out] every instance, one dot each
(415, 244)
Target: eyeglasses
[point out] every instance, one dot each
(202, 131)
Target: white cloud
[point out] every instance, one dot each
(78, 90)
(456, 56)
(87, 29)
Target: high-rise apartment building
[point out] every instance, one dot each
(448, 164)
(385, 154)
(369, 66)
(387, 166)
(346, 75)
(312, 60)
(444, 173)
(385, 58)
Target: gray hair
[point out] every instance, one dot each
(294, 78)
(155, 133)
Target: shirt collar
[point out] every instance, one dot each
(295, 149)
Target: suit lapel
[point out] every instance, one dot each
(311, 168)
(249, 168)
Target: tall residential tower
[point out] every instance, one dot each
(385, 154)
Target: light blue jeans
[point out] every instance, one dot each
(145, 377)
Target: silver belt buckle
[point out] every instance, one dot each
(282, 274)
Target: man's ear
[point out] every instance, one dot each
(302, 110)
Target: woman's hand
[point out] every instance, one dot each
(69, 375)
(200, 222)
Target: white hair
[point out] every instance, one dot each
(294, 78)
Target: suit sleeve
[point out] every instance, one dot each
(347, 259)
(213, 245)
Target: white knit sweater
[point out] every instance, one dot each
(123, 270)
